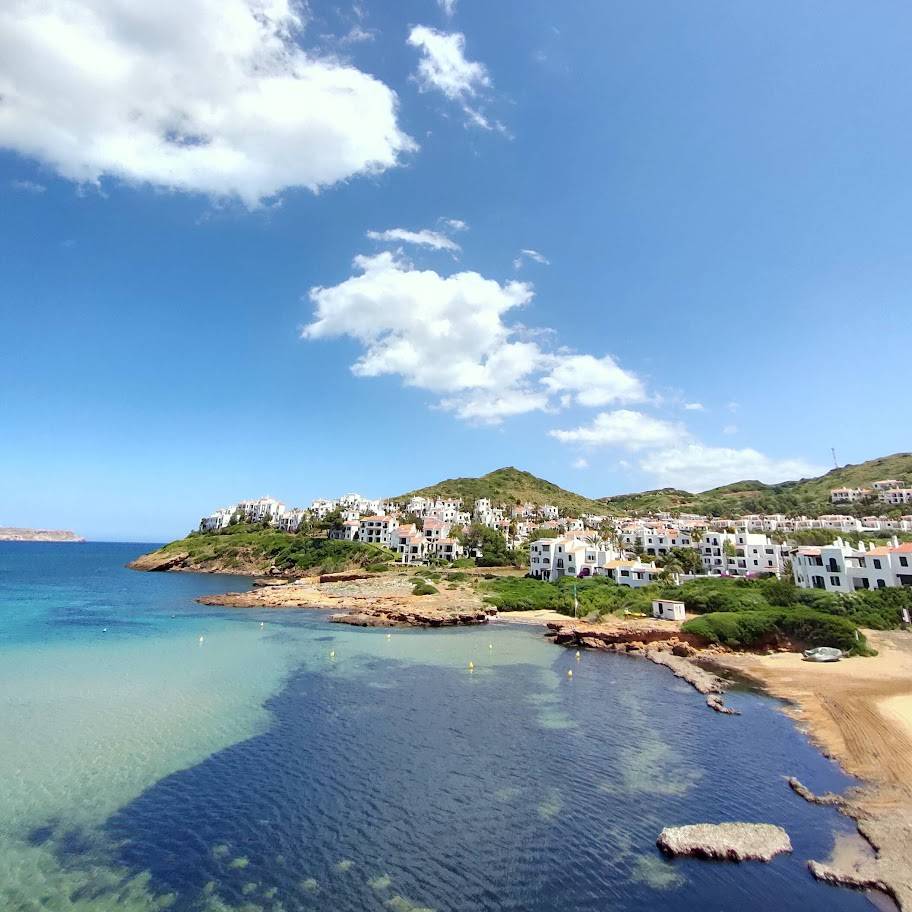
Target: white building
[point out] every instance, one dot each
(349, 532)
(668, 609)
(741, 554)
(409, 544)
(633, 573)
(841, 568)
(896, 496)
(569, 555)
(218, 520)
(377, 530)
(849, 495)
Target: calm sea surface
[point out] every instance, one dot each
(142, 768)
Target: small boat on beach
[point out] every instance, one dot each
(823, 654)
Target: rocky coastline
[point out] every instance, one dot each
(365, 600)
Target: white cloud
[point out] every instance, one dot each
(208, 96)
(455, 224)
(730, 429)
(697, 467)
(693, 407)
(443, 334)
(533, 255)
(594, 381)
(581, 463)
(423, 238)
(448, 7)
(27, 186)
(444, 67)
(625, 428)
(449, 335)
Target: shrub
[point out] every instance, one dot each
(378, 568)
(423, 588)
(743, 629)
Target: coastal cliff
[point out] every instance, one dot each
(253, 551)
(11, 533)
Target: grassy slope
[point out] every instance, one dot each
(809, 495)
(246, 549)
(509, 486)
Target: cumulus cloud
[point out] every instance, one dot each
(625, 428)
(448, 7)
(581, 463)
(208, 96)
(450, 335)
(693, 407)
(594, 381)
(423, 238)
(445, 68)
(697, 467)
(528, 254)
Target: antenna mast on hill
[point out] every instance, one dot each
(835, 463)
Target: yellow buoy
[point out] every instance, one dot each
(490, 645)
(201, 639)
(577, 653)
(389, 636)
(471, 666)
(569, 672)
(332, 653)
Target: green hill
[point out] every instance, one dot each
(810, 496)
(509, 486)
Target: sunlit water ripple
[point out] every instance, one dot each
(141, 769)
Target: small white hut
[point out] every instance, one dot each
(668, 610)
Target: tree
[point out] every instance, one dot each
(491, 544)
(688, 559)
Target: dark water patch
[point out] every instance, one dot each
(451, 791)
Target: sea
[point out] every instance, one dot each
(156, 754)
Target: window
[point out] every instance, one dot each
(881, 584)
(834, 580)
(876, 564)
(904, 562)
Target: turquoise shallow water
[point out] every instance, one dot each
(142, 769)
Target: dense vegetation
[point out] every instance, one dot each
(736, 613)
(509, 486)
(243, 545)
(809, 496)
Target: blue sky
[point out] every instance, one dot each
(716, 196)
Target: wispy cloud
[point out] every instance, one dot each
(27, 186)
(448, 7)
(445, 68)
(693, 407)
(423, 238)
(529, 254)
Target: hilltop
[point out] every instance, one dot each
(809, 496)
(509, 486)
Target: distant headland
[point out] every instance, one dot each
(10, 533)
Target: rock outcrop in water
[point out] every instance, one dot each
(726, 841)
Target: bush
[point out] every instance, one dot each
(378, 568)
(744, 629)
(423, 588)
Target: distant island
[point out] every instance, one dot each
(11, 533)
